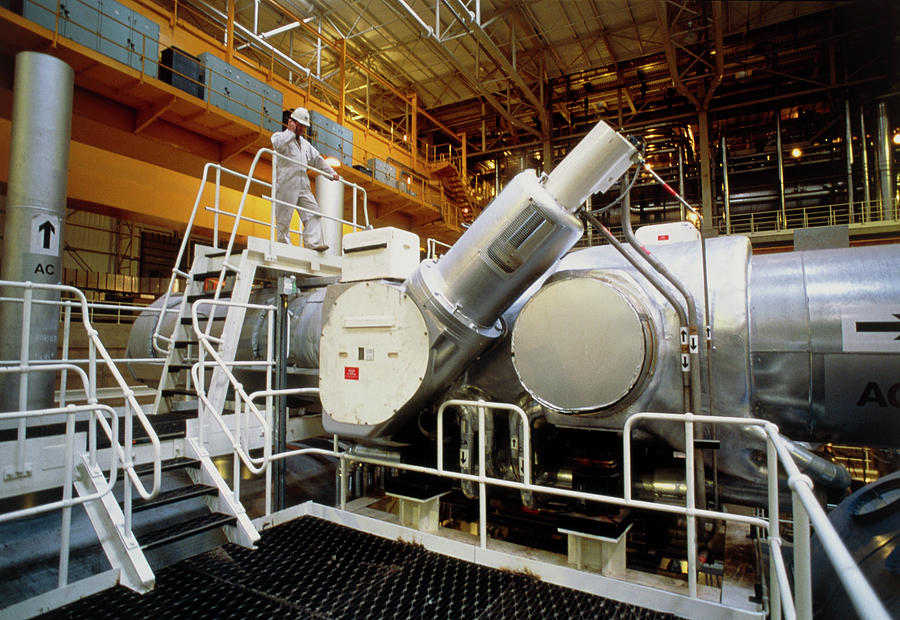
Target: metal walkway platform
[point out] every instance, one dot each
(312, 568)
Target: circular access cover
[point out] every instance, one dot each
(579, 344)
(373, 354)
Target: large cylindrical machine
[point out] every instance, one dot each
(408, 341)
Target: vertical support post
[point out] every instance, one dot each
(802, 573)
(848, 139)
(774, 528)
(342, 105)
(680, 180)
(782, 208)
(867, 198)
(24, 355)
(482, 487)
(705, 178)
(414, 127)
(229, 33)
(66, 525)
(281, 336)
(463, 167)
(690, 480)
(725, 190)
(885, 177)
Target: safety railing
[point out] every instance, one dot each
(806, 510)
(244, 405)
(121, 453)
(212, 175)
(432, 248)
(811, 216)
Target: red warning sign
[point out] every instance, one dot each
(351, 373)
(662, 237)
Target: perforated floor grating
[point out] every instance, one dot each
(311, 568)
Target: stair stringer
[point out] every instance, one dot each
(123, 551)
(243, 533)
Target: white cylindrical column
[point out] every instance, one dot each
(35, 213)
(330, 196)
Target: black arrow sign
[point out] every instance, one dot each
(48, 229)
(879, 326)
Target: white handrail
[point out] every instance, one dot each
(242, 399)
(132, 406)
(858, 589)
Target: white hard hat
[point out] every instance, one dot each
(301, 115)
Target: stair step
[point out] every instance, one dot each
(186, 320)
(198, 296)
(185, 529)
(168, 465)
(166, 392)
(175, 495)
(206, 275)
(173, 368)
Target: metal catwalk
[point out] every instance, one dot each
(312, 568)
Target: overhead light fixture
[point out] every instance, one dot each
(796, 152)
(896, 138)
(279, 30)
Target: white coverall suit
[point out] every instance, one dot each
(292, 186)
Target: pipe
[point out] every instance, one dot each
(653, 278)
(849, 141)
(36, 210)
(865, 166)
(681, 179)
(695, 402)
(726, 191)
(885, 177)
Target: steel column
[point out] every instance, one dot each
(35, 214)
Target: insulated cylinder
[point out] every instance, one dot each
(35, 213)
(330, 196)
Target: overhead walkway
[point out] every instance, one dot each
(146, 115)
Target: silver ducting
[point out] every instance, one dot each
(35, 214)
(825, 364)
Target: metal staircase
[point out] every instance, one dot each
(198, 331)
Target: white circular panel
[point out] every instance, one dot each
(372, 355)
(579, 345)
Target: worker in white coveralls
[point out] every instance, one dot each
(292, 181)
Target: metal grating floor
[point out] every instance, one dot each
(312, 568)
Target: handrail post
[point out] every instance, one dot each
(66, 526)
(774, 528)
(24, 354)
(482, 486)
(802, 572)
(690, 498)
